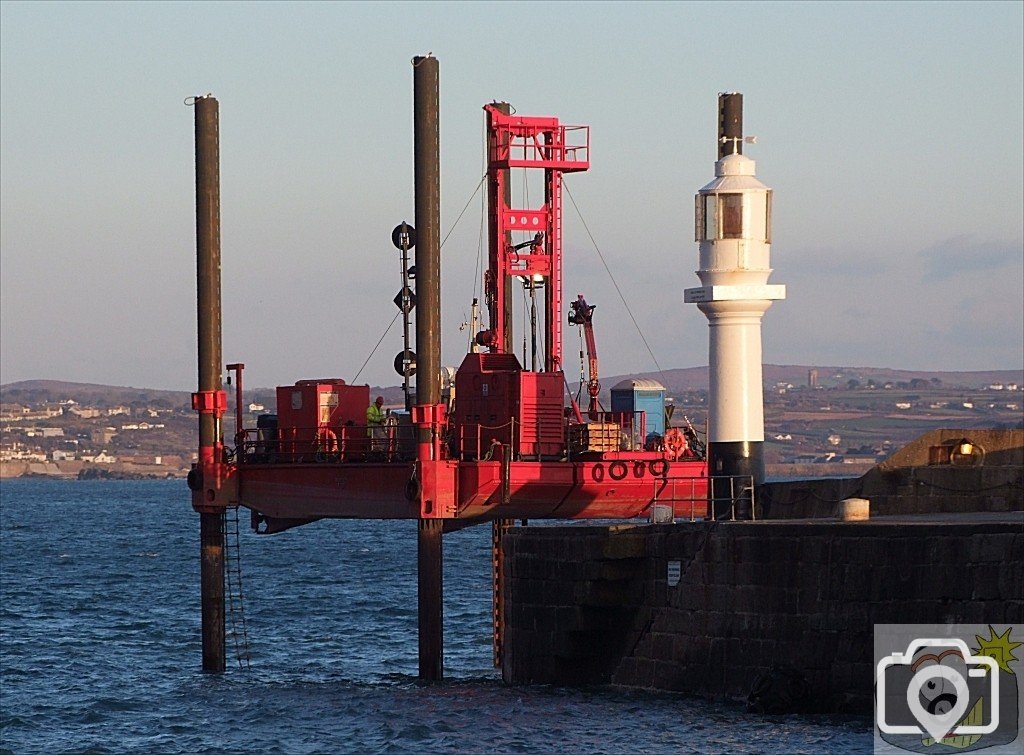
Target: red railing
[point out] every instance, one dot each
(320, 445)
(528, 147)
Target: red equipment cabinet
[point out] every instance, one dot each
(497, 401)
(310, 407)
(541, 415)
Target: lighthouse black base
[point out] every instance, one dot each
(736, 468)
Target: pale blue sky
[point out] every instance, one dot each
(891, 133)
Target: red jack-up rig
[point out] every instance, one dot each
(503, 445)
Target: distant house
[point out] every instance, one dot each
(102, 436)
(860, 458)
(23, 456)
(145, 460)
(13, 411)
(84, 412)
(45, 432)
(114, 411)
(803, 459)
(828, 458)
(20, 413)
(101, 458)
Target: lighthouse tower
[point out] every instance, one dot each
(733, 228)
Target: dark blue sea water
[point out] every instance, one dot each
(99, 646)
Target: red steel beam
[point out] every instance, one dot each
(617, 488)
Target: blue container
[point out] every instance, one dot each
(648, 396)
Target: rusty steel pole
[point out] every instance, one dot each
(426, 145)
(211, 525)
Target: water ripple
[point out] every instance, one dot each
(99, 647)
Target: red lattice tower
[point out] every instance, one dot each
(540, 143)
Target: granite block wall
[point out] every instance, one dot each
(712, 608)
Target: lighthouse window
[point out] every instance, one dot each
(707, 221)
(706, 218)
(731, 209)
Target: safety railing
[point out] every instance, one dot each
(732, 493)
(715, 498)
(529, 146)
(477, 442)
(326, 445)
(687, 496)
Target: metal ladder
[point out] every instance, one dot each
(235, 596)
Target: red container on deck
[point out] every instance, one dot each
(309, 407)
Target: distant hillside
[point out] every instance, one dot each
(696, 378)
(675, 381)
(51, 391)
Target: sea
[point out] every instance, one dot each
(100, 646)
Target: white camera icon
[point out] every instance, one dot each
(939, 681)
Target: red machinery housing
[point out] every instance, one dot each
(321, 416)
(497, 402)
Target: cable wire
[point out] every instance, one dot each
(612, 277)
(374, 351)
(450, 230)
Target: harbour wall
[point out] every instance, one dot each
(717, 608)
(909, 483)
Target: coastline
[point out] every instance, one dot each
(74, 470)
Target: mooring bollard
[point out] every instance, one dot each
(853, 510)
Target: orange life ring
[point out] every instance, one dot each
(675, 443)
(326, 443)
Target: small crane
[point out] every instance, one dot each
(581, 313)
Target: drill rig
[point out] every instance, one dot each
(511, 445)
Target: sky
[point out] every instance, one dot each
(890, 133)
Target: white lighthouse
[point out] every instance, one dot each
(733, 228)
